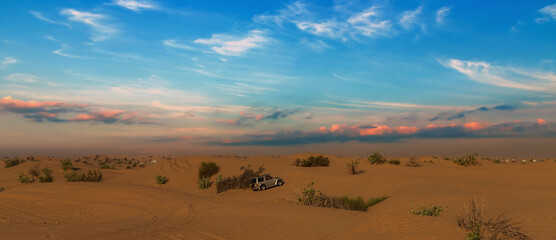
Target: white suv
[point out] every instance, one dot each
(265, 181)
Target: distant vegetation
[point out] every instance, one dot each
(161, 179)
(312, 161)
(314, 197)
(24, 178)
(352, 167)
(208, 169)
(77, 176)
(433, 210)
(238, 182)
(468, 160)
(34, 171)
(377, 158)
(66, 165)
(105, 165)
(394, 161)
(1, 189)
(204, 183)
(13, 162)
(47, 176)
(413, 162)
(498, 228)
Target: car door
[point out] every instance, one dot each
(269, 181)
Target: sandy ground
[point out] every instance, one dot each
(128, 204)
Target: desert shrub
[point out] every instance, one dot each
(161, 179)
(496, 161)
(34, 171)
(468, 160)
(77, 176)
(314, 197)
(24, 178)
(219, 178)
(433, 210)
(13, 162)
(352, 167)
(208, 169)
(94, 176)
(66, 165)
(74, 176)
(105, 165)
(479, 227)
(394, 161)
(239, 182)
(204, 183)
(312, 161)
(377, 158)
(413, 162)
(1, 189)
(47, 176)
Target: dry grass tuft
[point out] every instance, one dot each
(498, 228)
(413, 162)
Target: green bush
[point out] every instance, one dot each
(47, 176)
(94, 176)
(66, 165)
(312, 161)
(377, 158)
(204, 183)
(468, 160)
(394, 161)
(161, 179)
(24, 178)
(219, 178)
(208, 169)
(433, 210)
(105, 165)
(13, 162)
(314, 197)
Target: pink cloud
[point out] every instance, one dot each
(51, 111)
(541, 121)
(475, 125)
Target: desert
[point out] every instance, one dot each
(129, 204)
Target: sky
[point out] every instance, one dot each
(277, 77)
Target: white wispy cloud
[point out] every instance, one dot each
(174, 44)
(7, 61)
(345, 25)
(22, 77)
(508, 77)
(548, 14)
(136, 6)
(410, 17)
(48, 20)
(62, 53)
(318, 45)
(242, 89)
(228, 45)
(283, 15)
(101, 30)
(329, 28)
(397, 105)
(368, 24)
(442, 13)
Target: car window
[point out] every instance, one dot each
(261, 179)
(254, 180)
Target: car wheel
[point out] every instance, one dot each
(262, 188)
(280, 183)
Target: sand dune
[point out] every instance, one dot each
(128, 204)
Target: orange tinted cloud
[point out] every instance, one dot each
(475, 125)
(541, 121)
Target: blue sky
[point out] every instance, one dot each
(222, 74)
